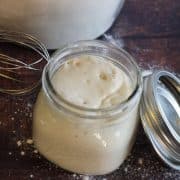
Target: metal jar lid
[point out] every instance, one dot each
(160, 115)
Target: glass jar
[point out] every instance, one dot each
(84, 140)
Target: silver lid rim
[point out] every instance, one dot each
(155, 146)
(165, 142)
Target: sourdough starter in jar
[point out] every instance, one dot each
(77, 144)
(91, 82)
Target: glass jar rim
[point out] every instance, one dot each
(77, 48)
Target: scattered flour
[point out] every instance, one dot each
(22, 153)
(19, 143)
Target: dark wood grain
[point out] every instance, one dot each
(149, 31)
(144, 18)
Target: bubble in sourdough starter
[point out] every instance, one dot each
(88, 81)
(77, 63)
(85, 102)
(103, 76)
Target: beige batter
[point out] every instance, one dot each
(73, 143)
(91, 82)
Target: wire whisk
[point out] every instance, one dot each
(13, 70)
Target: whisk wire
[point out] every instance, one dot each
(11, 65)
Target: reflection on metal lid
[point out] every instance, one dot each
(160, 115)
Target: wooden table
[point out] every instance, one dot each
(150, 31)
